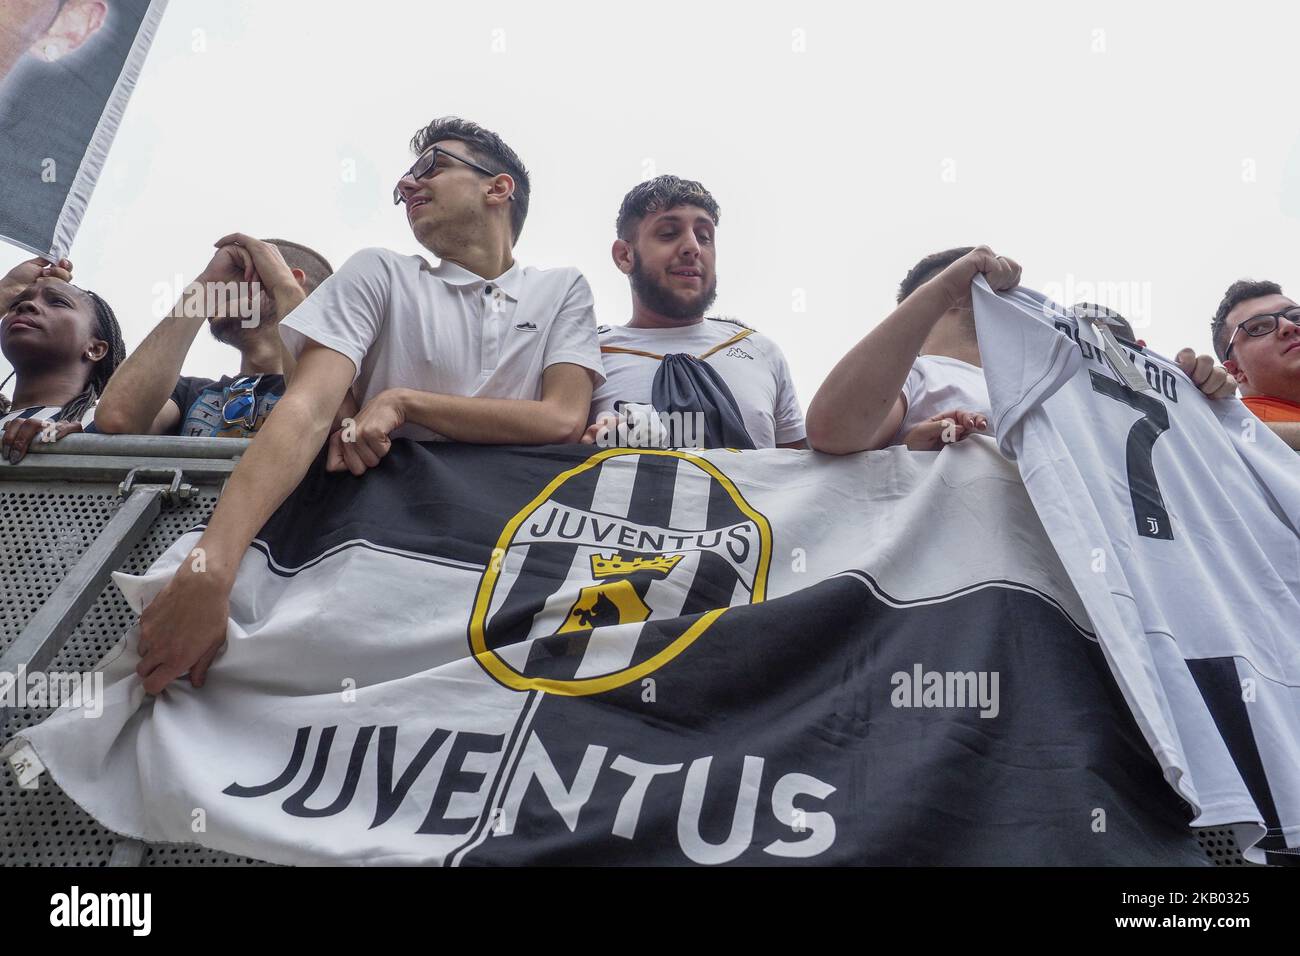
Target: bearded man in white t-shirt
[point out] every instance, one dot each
(709, 382)
(476, 349)
(916, 379)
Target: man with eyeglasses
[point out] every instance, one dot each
(1257, 338)
(476, 349)
(148, 395)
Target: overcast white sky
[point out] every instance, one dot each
(1150, 149)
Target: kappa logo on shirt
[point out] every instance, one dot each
(737, 352)
(527, 326)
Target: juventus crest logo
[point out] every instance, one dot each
(616, 567)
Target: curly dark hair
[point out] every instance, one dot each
(928, 268)
(102, 371)
(1237, 293)
(486, 148)
(658, 194)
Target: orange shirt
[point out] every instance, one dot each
(1270, 409)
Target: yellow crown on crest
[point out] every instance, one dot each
(616, 565)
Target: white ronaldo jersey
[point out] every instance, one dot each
(1178, 520)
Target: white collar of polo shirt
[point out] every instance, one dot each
(510, 282)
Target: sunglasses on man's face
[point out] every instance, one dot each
(424, 167)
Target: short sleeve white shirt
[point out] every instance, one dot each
(407, 324)
(938, 384)
(754, 369)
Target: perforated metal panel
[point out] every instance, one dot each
(44, 528)
(1221, 848)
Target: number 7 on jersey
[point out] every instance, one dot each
(1148, 504)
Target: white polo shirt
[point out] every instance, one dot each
(406, 324)
(938, 384)
(754, 369)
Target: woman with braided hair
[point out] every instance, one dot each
(63, 343)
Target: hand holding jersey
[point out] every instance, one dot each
(1211, 379)
(998, 271)
(939, 382)
(863, 403)
(1138, 490)
(942, 393)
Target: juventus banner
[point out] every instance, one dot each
(66, 72)
(497, 656)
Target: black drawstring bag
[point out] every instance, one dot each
(687, 385)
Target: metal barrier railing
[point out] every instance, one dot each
(152, 470)
(71, 513)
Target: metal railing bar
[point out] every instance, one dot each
(46, 467)
(143, 446)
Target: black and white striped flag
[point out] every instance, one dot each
(478, 655)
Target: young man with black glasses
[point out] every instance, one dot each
(1257, 338)
(477, 349)
(148, 396)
